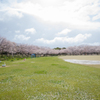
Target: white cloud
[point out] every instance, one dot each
(64, 32)
(21, 37)
(17, 31)
(92, 44)
(10, 10)
(75, 14)
(96, 17)
(30, 30)
(47, 2)
(76, 39)
(15, 13)
(80, 38)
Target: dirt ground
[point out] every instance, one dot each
(84, 57)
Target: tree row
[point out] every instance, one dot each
(12, 49)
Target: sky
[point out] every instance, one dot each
(51, 23)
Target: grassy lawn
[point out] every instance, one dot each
(48, 78)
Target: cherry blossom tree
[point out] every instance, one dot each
(9, 48)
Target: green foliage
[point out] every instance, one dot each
(48, 78)
(10, 58)
(63, 48)
(57, 48)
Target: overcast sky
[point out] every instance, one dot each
(51, 23)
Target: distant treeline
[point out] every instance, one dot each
(11, 49)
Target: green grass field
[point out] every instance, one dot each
(48, 78)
